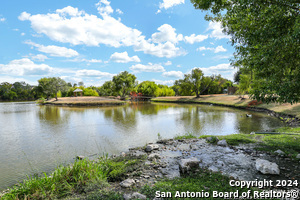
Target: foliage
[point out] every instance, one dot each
(41, 100)
(17, 91)
(124, 82)
(205, 179)
(107, 89)
(266, 36)
(185, 136)
(51, 86)
(147, 88)
(90, 92)
(164, 90)
(244, 86)
(196, 83)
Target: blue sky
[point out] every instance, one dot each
(91, 41)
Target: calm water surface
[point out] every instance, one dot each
(36, 138)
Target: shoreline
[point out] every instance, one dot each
(291, 120)
(139, 168)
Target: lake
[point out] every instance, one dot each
(34, 138)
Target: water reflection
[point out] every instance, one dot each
(50, 135)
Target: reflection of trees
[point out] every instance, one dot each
(195, 117)
(53, 115)
(123, 116)
(149, 108)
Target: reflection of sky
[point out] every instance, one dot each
(38, 138)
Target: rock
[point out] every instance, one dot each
(266, 167)
(123, 154)
(80, 157)
(298, 156)
(222, 143)
(187, 165)
(213, 168)
(184, 147)
(127, 183)
(137, 195)
(151, 147)
(154, 156)
(279, 152)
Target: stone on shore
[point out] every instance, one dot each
(127, 183)
(266, 167)
(134, 195)
(222, 143)
(187, 165)
(279, 152)
(298, 156)
(154, 156)
(151, 147)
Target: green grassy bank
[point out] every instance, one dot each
(98, 179)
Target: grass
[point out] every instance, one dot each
(185, 136)
(80, 177)
(203, 180)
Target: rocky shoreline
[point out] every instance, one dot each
(172, 158)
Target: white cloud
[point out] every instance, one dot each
(220, 49)
(166, 34)
(168, 82)
(217, 30)
(167, 49)
(168, 63)
(119, 11)
(11, 79)
(104, 8)
(2, 19)
(195, 38)
(22, 34)
(173, 74)
(123, 58)
(94, 73)
(147, 68)
(39, 57)
(166, 4)
(215, 50)
(25, 66)
(92, 61)
(55, 51)
(225, 69)
(69, 25)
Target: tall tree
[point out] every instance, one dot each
(196, 79)
(266, 36)
(124, 82)
(51, 86)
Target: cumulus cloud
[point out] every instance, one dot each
(215, 50)
(69, 25)
(216, 28)
(195, 38)
(39, 57)
(166, 34)
(173, 74)
(94, 73)
(167, 82)
(55, 51)
(147, 68)
(123, 58)
(25, 66)
(225, 69)
(166, 4)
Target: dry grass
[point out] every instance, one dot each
(234, 100)
(85, 101)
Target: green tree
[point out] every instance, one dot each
(51, 86)
(244, 85)
(266, 36)
(147, 88)
(124, 82)
(196, 78)
(107, 89)
(90, 92)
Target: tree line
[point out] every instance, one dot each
(121, 85)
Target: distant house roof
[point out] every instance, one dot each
(77, 90)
